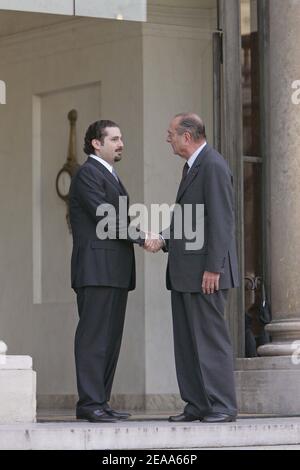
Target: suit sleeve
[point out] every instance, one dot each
(220, 215)
(91, 194)
(165, 238)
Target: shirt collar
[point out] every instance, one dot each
(193, 157)
(103, 162)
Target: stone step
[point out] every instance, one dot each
(146, 434)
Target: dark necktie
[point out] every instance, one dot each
(185, 171)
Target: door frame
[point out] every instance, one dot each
(229, 139)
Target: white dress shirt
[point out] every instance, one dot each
(193, 157)
(104, 162)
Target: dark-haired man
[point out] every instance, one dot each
(199, 279)
(102, 271)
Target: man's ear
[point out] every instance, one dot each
(187, 138)
(96, 144)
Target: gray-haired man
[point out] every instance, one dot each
(199, 280)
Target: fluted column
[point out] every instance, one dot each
(284, 178)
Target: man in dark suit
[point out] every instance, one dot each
(102, 271)
(199, 279)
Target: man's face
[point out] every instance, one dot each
(176, 141)
(112, 147)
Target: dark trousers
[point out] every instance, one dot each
(97, 343)
(203, 353)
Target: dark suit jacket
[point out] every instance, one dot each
(96, 262)
(208, 182)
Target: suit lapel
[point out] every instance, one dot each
(107, 174)
(192, 173)
(124, 192)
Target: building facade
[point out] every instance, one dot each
(140, 62)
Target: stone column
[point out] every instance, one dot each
(284, 178)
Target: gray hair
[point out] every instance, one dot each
(191, 123)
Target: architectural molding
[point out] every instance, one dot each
(80, 33)
(203, 18)
(64, 36)
(175, 31)
(76, 33)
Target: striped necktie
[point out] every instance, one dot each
(115, 175)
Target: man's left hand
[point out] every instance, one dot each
(210, 282)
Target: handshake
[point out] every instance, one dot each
(153, 242)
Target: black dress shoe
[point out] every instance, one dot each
(95, 416)
(116, 414)
(184, 418)
(219, 418)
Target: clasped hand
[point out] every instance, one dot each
(153, 242)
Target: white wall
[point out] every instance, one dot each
(95, 67)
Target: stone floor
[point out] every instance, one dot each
(60, 430)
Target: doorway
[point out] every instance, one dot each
(257, 311)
